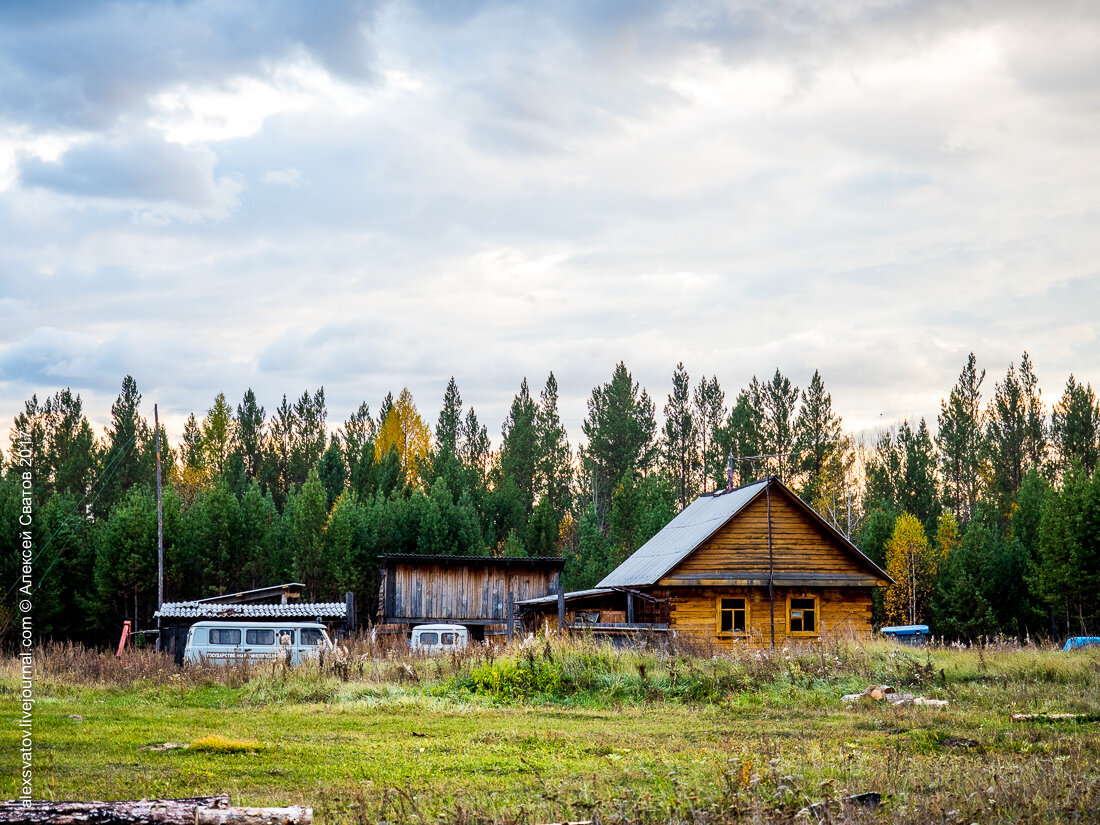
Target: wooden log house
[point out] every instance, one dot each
(751, 565)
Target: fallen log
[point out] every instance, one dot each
(203, 810)
(294, 815)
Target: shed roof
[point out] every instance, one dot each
(698, 522)
(199, 610)
(546, 562)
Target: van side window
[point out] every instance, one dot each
(446, 638)
(429, 638)
(259, 637)
(224, 636)
(311, 636)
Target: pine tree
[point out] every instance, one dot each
(1075, 424)
(960, 442)
(620, 429)
(710, 412)
(277, 451)
(448, 428)
(122, 466)
(519, 449)
(248, 434)
(1015, 433)
(217, 435)
(679, 438)
(555, 458)
(918, 490)
(743, 435)
(333, 471)
(817, 436)
(305, 518)
(309, 436)
(778, 399)
(70, 448)
(476, 448)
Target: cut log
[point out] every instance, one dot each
(153, 811)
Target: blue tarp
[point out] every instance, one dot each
(1082, 641)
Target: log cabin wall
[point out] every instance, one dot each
(841, 612)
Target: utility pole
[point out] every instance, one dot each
(160, 532)
(771, 557)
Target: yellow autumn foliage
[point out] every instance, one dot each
(911, 563)
(405, 431)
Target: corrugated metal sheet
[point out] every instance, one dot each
(679, 537)
(196, 610)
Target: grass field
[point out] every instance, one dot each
(559, 731)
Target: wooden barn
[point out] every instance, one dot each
(750, 565)
(479, 592)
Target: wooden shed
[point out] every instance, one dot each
(479, 592)
(750, 565)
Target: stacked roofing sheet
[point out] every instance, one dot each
(199, 610)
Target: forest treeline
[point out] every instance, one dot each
(989, 524)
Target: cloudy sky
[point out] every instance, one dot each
(218, 195)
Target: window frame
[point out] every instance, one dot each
(220, 631)
(718, 609)
(791, 597)
(253, 635)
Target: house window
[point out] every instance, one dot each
(733, 615)
(802, 614)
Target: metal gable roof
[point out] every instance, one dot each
(695, 524)
(680, 536)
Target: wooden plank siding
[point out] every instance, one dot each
(799, 544)
(459, 592)
(843, 612)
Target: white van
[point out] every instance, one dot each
(233, 641)
(439, 638)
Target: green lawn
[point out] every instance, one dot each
(587, 732)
